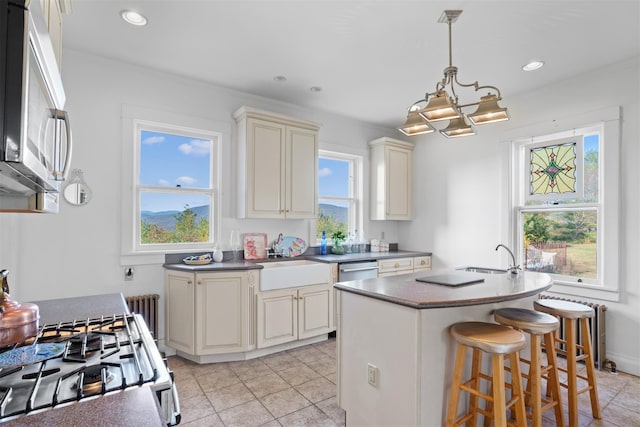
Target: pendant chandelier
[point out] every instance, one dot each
(442, 105)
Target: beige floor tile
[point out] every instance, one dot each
(249, 369)
(307, 354)
(629, 399)
(195, 408)
(317, 390)
(280, 361)
(267, 384)
(208, 421)
(333, 411)
(332, 377)
(324, 366)
(217, 379)
(298, 374)
(284, 402)
(248, 414)
(272, 423)
(310, 416)
(228, 397)
(621, 416)
(187, 386)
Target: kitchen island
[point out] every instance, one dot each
(395, 355)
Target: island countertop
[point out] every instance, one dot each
(406, 290)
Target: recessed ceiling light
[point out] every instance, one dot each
(533, 65)
(280, 78)
(133, 17)
(315, 89)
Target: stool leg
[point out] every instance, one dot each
(535, 382)
(591, 372)
(553, 382)
(458, 370)
(475, 384)
(572, 379)
(499, 407)
(516, 390)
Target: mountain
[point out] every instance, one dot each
(167, 219)
(338, 212)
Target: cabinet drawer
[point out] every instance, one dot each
(395, 265)
(422, 263)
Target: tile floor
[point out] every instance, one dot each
(297, 387)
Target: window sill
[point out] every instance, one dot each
(586, 291)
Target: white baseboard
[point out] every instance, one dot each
(625, 364)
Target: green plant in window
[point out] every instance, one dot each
(338, 237)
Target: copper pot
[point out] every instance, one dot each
(18, 322)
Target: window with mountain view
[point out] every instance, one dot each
(175, 186)
(338, 193)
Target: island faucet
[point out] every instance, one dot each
(513, 268)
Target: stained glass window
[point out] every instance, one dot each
(555, 169)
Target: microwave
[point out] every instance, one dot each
(35, 144)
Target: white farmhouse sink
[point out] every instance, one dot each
(291, 274)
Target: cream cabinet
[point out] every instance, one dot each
(211, 313)
(391, 179)
(277, 165)
(53, 17)
(292, 314)
(398, 266)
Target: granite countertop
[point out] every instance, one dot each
(68, 309)
(406, 290)
(329, 258)
(135, 406)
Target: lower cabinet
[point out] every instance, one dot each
(397, 266)
(211, 313)
(291, 314)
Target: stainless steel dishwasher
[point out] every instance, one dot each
(357, 270)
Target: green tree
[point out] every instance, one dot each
(329, 224)
(536, 227)
(576, 227)
(187, 227)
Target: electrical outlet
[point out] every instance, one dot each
(128, 273)
(372, 375)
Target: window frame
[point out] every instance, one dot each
(134, 120)
(606, 285)
(354, 199)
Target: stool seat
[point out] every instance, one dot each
(530, 321)
(566, 309)
(489, 337)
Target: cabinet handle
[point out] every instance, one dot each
(199, 282)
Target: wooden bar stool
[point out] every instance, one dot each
(572, 313)
(498, 341)
(537, 325)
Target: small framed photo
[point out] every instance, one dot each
(255, 245)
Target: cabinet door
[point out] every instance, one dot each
(301, 195)
(277, 317)
(315, 311)
(179, 310)
(398, 165)
(265, 169)
(221, 312)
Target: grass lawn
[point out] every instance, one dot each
(581, 260)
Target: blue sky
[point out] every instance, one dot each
(333, 177)
(169, 161)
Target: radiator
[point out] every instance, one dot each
(597, 327)
(147, 307)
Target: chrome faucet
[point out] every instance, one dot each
(513, 268)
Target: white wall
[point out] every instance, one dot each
(461, 186)
(77, 252)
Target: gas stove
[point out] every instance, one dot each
(97, 356)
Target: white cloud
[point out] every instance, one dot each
(153, 140)
(163, 182)
(188, 180)
(324, 172)
(197, 147)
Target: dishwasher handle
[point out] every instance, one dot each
(351, 270)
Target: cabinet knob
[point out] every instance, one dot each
(199, 282)
(423, 262)
(396, 265)
(189, 282)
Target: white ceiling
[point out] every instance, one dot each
(373, 59)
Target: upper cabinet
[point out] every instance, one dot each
(53, 16)
(278, 165)
(391, 179)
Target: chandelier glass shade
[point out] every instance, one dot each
(443, 105)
